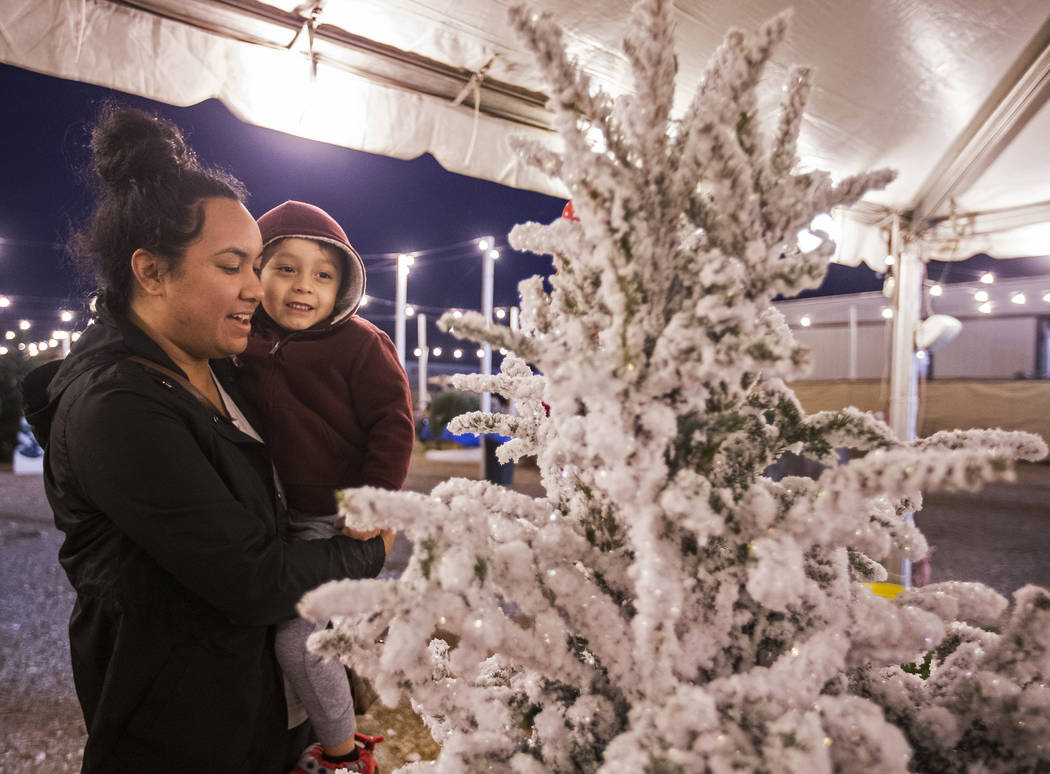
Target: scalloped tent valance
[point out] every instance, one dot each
(952, 94)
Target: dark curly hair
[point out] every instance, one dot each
(150, 189)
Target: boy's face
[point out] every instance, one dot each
(300, 280)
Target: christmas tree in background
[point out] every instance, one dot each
(667, 607)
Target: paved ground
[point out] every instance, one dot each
(1000, 537)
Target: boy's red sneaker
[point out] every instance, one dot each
(312, 761)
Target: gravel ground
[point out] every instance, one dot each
(1000, 536)
(41, 728)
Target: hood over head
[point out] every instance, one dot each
(305, 221)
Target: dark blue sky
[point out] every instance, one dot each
(386, 205)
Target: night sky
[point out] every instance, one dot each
(386, 205)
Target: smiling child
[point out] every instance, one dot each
(336, 413)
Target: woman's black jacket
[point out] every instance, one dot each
(175, 546)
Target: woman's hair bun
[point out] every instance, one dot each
(132, 145)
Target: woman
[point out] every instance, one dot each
(174, 529)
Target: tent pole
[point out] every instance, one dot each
(904, 381)
(852, 341)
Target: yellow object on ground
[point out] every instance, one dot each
(888, 590)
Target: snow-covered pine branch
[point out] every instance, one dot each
(667, 606)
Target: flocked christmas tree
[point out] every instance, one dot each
(667, 607)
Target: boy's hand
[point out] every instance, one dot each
(358, 534)
(388, 535)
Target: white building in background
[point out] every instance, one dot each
(1005, 331)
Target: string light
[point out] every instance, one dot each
(936, 290)
(417, 352)
(4, 302)
(480, 353)
(890, 260)
(410, 311)
(65, 315)
(805, 322)
(3, 350)
(987, 278)
(501, 313)
(24, 325)
(484, 244)
(985, 308)
(494, 255)
(1018, 298)
(364, 301)
(436, 352)
(457, 353)
(981, 296)
(1046, 296)
(11, 334)
(887, 313)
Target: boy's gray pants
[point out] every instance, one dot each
(322, 686)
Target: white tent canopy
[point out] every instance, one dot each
(951, 93)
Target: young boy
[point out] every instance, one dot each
(336, 413)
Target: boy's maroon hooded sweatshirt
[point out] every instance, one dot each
(335, 401)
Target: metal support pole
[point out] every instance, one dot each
(488, 265)
(904, 375)
(852, 341)
(515, 322)
(488, 259)
(424, 353)
(403, 264)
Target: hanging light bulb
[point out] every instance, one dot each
(936, 290)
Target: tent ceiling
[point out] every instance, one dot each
(950, 93)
